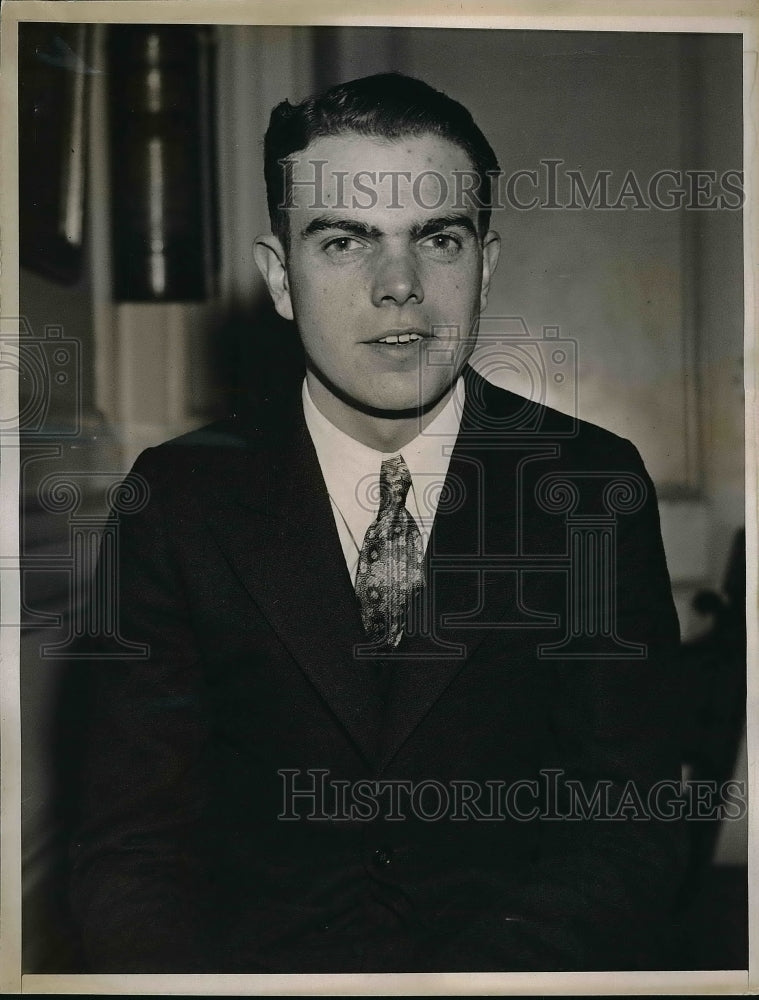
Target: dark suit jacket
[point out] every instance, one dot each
(234, 576)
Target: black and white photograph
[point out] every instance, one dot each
(379, 522)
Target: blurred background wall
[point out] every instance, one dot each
(650, 301)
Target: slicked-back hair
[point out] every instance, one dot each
(384, 106)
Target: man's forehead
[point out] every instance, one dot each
(351, 171)
(354, 151)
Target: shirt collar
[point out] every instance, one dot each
(351, 469)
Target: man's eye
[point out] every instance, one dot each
(443, 244)
(341, 245)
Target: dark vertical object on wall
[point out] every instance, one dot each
(161, 149)
(53, 88)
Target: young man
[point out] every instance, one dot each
(408, 696)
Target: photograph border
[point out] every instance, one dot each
(672, 16)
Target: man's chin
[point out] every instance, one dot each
(388, 402)
(397, 406)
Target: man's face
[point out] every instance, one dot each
(385, 274)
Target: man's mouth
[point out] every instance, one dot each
(396, 337)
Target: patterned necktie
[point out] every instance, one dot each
(390, 570)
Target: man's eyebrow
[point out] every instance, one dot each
(324, 222)
(422, 229)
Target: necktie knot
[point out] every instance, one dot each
(394, 483)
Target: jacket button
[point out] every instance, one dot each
(382, 857)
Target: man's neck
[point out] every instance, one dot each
(383, 434)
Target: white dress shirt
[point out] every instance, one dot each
(351, 471)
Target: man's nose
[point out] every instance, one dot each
(397, 280)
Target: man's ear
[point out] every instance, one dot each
(270, 257)
(491, 251)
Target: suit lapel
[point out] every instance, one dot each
(427, 660)
(480, 519)
(277, 530)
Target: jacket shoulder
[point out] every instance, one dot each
(528, 420)
(228, 441)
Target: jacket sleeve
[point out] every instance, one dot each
(601, 890)
(139, 888)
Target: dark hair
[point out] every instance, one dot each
(387, 105)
